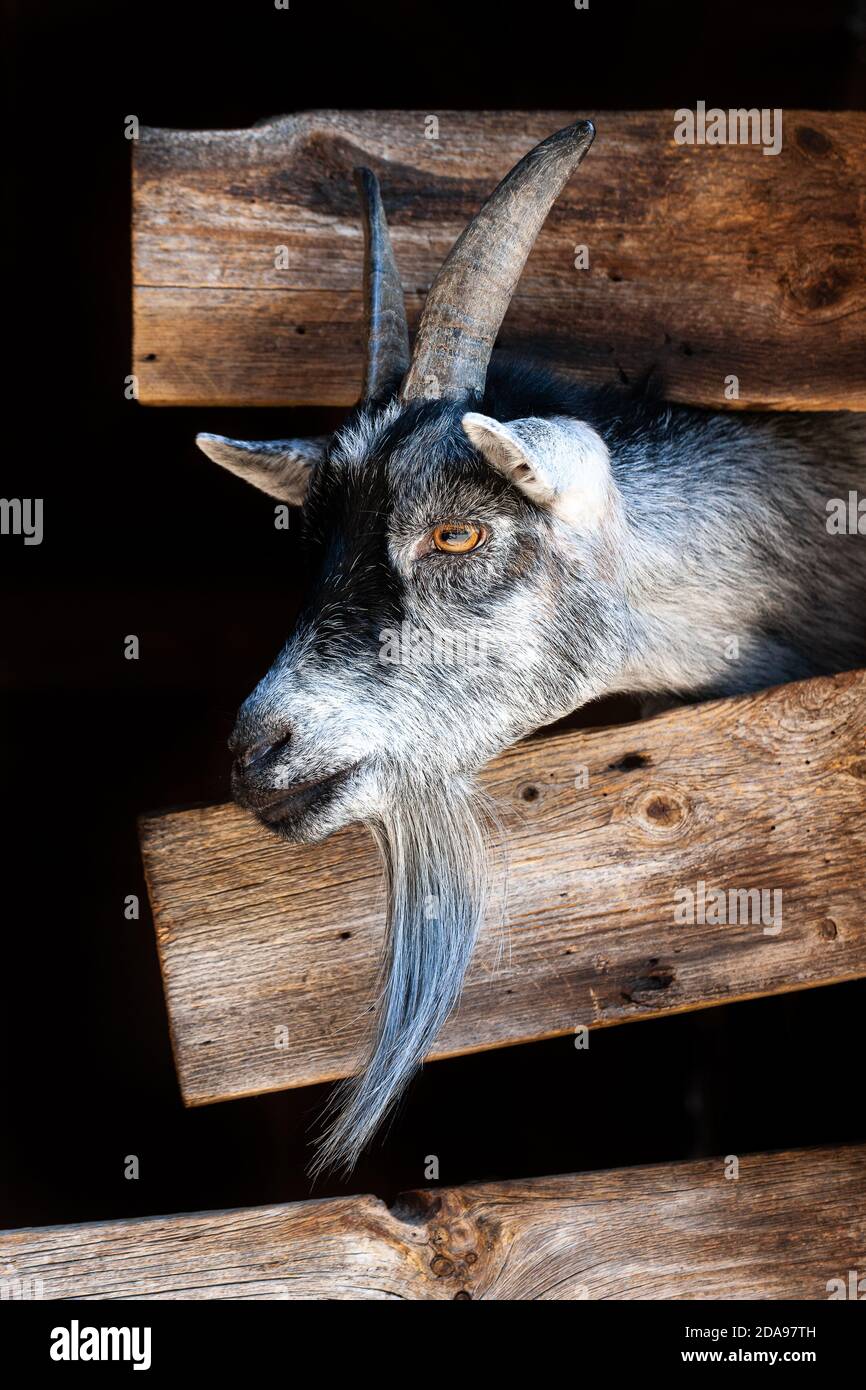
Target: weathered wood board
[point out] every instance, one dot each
(269, 951)
(787, 1226)
(704, 261)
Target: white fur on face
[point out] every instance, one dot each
(501, 606)
(560, 463)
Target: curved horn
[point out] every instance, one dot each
(470, 295)
(387, 333)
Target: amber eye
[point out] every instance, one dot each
(456, 537)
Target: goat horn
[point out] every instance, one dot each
(387, 333)
(469, 297)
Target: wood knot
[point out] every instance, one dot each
(812, 141)
(629, 761)
(818, 283)
(824, 290)
(653, 984)
(454, 1250)
(533, 792)
(662, 811)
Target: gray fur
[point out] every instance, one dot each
(626, 546)
(279, 467)
(432, 846)
(713, 527)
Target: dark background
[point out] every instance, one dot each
(144, 536)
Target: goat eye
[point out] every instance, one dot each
(456, 537)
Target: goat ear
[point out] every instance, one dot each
(561, 464)
(279, 467)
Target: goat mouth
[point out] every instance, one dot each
(294, 801)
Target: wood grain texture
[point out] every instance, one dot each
(786, 1226)
(269, 951)
(704, 260)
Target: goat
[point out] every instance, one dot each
(588, 541)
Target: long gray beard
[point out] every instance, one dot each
(433, 848)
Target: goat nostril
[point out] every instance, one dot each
(251, 755)
(257, 752)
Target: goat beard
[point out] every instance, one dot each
(433, 846)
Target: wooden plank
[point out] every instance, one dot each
(789, 1224)
(269, 950)
(704, 260)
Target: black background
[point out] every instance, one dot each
(143, 535)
